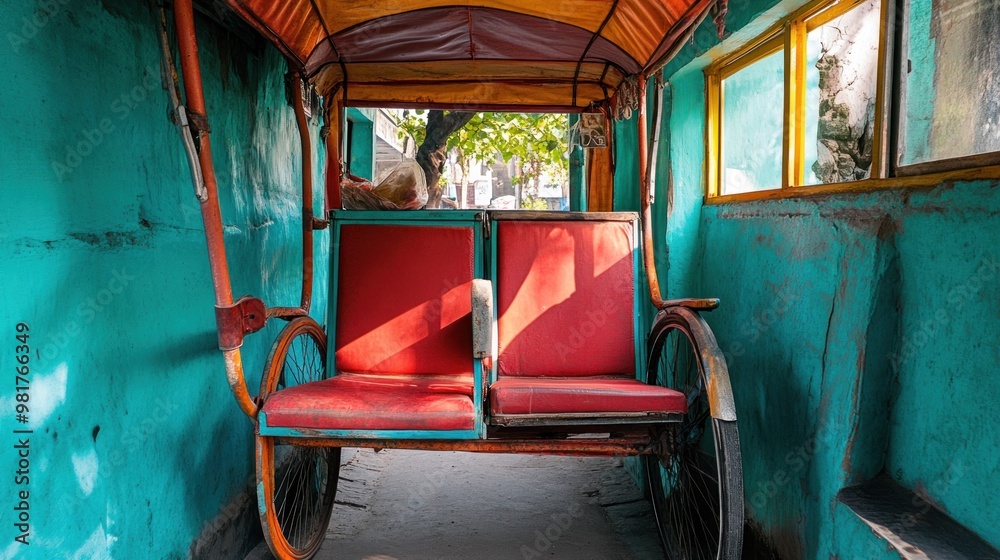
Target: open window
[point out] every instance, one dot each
(496, 160)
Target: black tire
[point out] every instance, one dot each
(696, 478)
(296, 485)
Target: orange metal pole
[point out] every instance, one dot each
(333, 165)
(307, 211)
(210, 213)
(195, 97)
(648, 248)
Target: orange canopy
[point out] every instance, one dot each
(542, 54)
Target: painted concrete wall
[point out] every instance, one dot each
(137, 449)
(860, 331)
(362, 141)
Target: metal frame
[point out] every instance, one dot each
(586, 447)
(464, 440)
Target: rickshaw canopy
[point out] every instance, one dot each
(560, 55)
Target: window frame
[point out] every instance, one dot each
(790, 34)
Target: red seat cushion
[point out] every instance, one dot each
(565, 298)
(375, 402)
(404, 299)
(520, 395)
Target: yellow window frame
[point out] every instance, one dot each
(790, 33)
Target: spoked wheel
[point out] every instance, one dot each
(695, 479)
(296, 485)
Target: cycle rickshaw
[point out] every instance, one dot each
(474, 330)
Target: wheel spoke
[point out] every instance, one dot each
(685, 479)
(302, 479)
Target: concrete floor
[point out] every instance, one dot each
(414, 505)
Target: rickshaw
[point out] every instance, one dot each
(474, 330)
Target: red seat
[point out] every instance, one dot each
(566, 328)
(521, 395)
(402, 335)
(565, 298)
(375, 402)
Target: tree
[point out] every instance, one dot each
(536, 142)
(433, 150)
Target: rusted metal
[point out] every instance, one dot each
(211, 215)
(334, 171)
(238, 383)
(308, 220)
(719, 389)
(698, 304)
(577, 447)
(195, 97)
(180, 116)
(654, 147)
(648, 248)
(247, 315)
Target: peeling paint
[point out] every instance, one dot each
(871, 272)
(137, 444)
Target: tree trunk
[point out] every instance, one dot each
(433, 152)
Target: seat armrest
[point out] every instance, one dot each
(482, 318)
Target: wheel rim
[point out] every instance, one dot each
(299, 489)
(297, 484)
(297, 357)
(684, 476)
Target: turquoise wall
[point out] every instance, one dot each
(137, 450)
(860, 331)
(362, 141)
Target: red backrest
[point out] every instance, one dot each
(404, 300)
(565, 298)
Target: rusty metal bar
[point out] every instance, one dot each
(334, 119)
(307, 210)
(211, 215)
(617, 447)
(648, 248)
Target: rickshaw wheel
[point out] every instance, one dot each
(296, 485)
(695, 480)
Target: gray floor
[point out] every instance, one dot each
(414, 505)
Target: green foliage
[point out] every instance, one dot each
(537, 141)
(532, 203)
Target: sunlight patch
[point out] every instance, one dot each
(85, 467)
(96, 547)
(47, 393)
